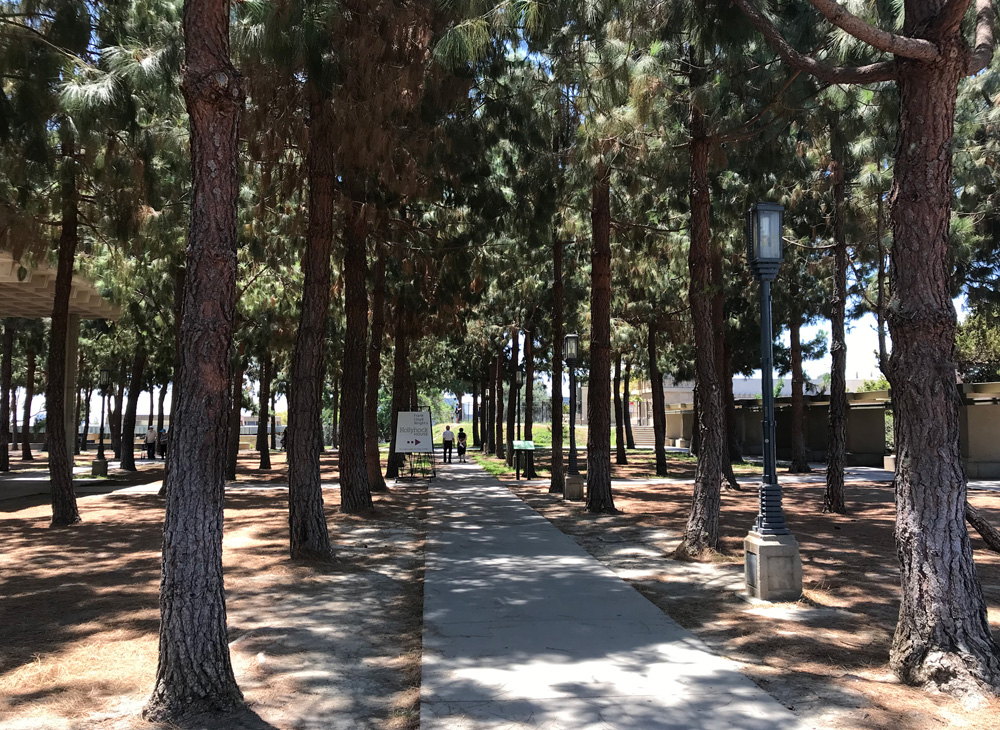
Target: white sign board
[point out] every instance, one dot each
(413, 432)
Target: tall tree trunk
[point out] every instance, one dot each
(734, 446)
(833, 497)
(513, 394)
(498, 398)
(400, 358)
(880, 308)
(557, 480)
(274, 421)
(180, 274)
(13, 420)
(309, 536)
(6, 372)
(115, 417)
(233, 452)
(29, 394)
(702, 530)
(76, 411)
(152, 405)
(64, 509)
(620, 456)
(335, 415)
(627, 403)
(160, 415)
(722, 363)
(372, 457)
(486, 414)
(263, 447)
(529, 383)
(599, 497)
(88, 394)
(128, 421)
(943, 637)
(800, 459)
(355, 491)
(659, 407)
(476, 442)
(529, 399)
(195, 675)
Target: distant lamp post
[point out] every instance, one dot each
(100, 465)
(519, 381)
(571, 354)
(773, 567)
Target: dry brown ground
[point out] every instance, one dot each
(313, 645)
(824, 656)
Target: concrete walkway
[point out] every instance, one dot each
(524, 629)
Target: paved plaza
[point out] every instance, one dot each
(524, 629)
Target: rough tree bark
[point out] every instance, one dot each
(512, 394)
(620, 456)
(484, 409)
(627, 403)
(702, 530)
(659, 407)
(6, 371)
(195, 675)
(836, 450)
(476, 443)
(309, 537)
(990, 534)
(375, 480)
(233, 452)
(557, 479)
(29, 388)
(355, 491)
(14, 433)
(263, 447)
(64, 509)
(400, 359)
(800, 460)
(131, 407)
(529, 398)
(85, 429)
(599, 496)
(115, 415)
(943, 637)
(498, 405)
(160, 415)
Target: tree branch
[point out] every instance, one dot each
(990, 535)
(898, 45)
(883, 71)
(982, 54)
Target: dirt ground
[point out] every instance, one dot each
(338, 646)
(313, 645)
(825, 656)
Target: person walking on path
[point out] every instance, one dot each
(150, 443)
(448, 440)
(462, 443)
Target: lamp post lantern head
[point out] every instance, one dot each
(519, 377)
(764, 239)
(104, 379)
(571, 349)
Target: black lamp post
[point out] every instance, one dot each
(519, 380)
(571, 353)
(764, 230)
(104, 381)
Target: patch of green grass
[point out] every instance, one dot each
(492, 465)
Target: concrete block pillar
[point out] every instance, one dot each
(773, 567)
(69, 403)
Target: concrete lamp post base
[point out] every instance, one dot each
(99, 468)
(573, 490)
(773, 567)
